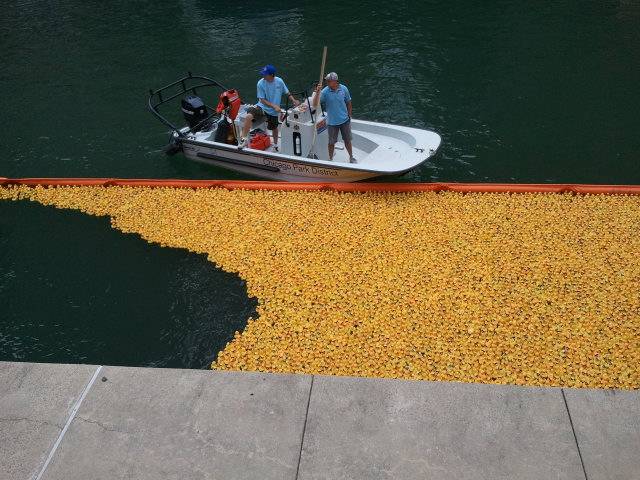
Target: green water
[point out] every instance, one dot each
(85, 293)
(520, 92)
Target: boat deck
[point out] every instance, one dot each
(375, 151)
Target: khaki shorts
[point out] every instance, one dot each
(345, 132)
(258, 114)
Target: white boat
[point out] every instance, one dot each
(380, 149)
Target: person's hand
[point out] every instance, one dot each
(277, 108)
(318, 88)
(296, 102)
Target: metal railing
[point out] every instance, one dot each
(187, 84)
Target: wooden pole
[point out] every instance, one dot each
(324, 61)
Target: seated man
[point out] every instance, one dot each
(337, 101)
(270, 91)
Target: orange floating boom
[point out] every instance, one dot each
(337, 187)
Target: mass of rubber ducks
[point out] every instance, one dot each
(527, 289)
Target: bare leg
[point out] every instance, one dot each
(331, 147)
(349, 148)
(274, 134)
(248, 120)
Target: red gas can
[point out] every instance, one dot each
(260, 141)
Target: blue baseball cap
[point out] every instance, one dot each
(268, 70)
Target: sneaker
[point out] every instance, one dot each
(242, 143)
(353, 160)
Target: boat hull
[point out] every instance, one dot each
(271, 166)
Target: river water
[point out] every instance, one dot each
(519, 93)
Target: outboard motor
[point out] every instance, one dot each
(194, 110)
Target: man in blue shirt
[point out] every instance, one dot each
(337, 104)
(270, 91)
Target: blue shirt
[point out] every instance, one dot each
(335, 104)
(271, 92)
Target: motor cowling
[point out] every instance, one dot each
(194, 110)
(230, 100)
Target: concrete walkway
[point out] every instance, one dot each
(88, 422)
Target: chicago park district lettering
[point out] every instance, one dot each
(300, 168)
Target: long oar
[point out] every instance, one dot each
(315, 129)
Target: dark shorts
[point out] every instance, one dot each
(345, 132)
(258, 115)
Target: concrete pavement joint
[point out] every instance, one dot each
(304, 427)
(31, 420)
(575, 437)
(99, 424)
(72, 415)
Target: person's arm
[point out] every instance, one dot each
(316, 96)
(286, 91)
(347, 100)
(261, 94)
(269, 104)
